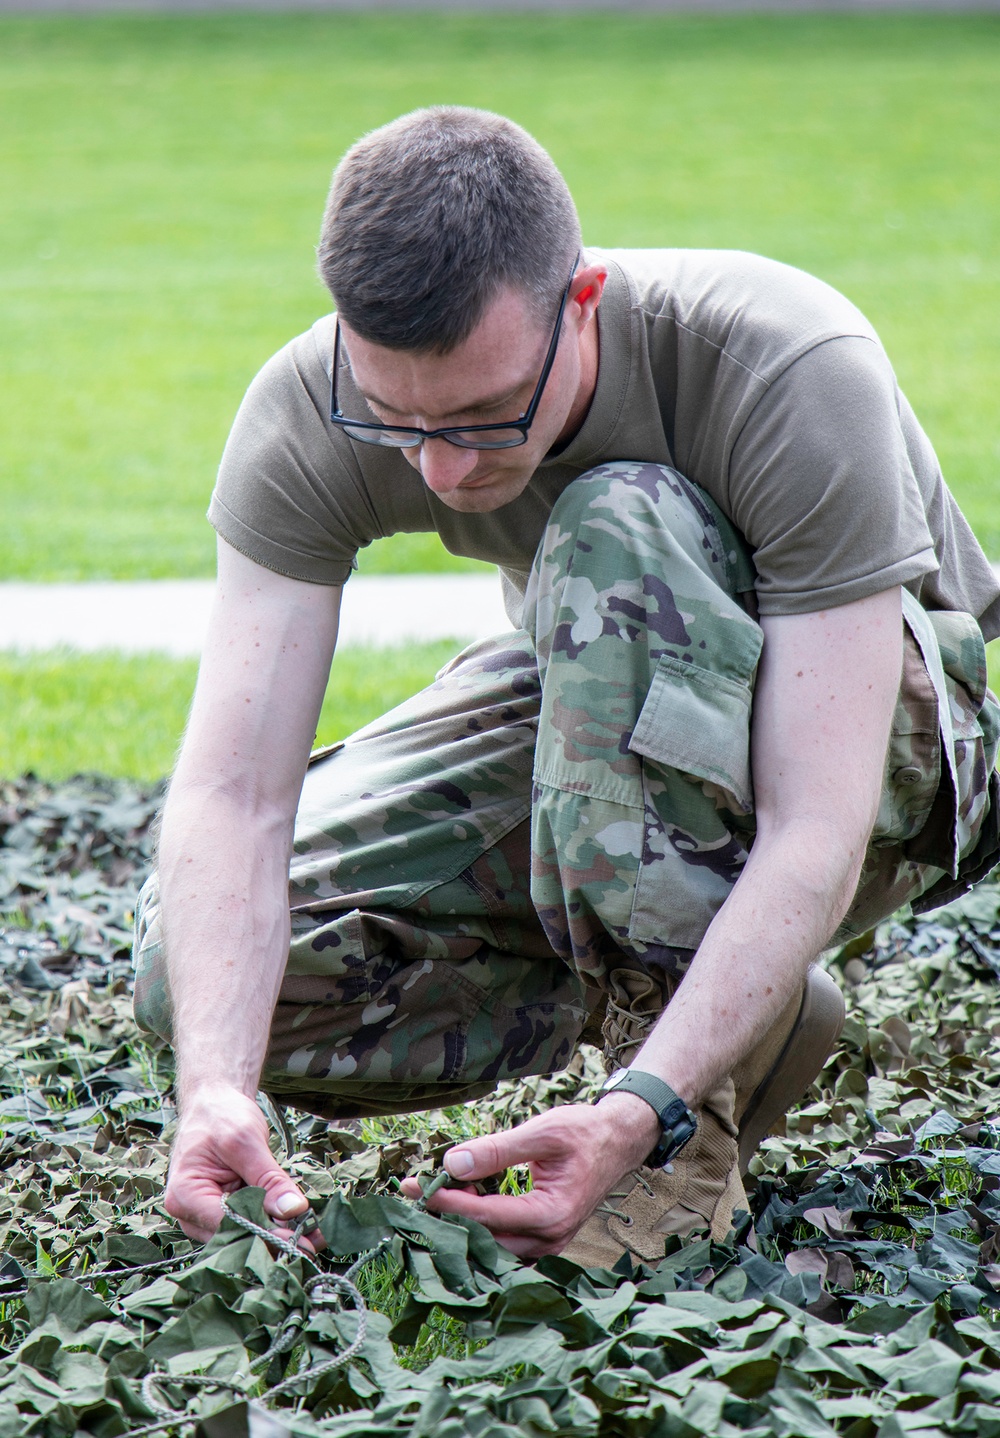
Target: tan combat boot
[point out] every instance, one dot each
(636, 999)
(702, 1188)
(699, 1189)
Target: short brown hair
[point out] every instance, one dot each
(431, 216)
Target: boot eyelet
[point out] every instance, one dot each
(626, 1220)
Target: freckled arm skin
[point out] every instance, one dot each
(823, 707)
(224, 852)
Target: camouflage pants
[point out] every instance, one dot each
(468, 868)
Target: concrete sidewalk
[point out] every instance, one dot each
(171, 615)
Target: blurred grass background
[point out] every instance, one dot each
(162, 179)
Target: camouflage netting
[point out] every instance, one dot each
(859, 1299)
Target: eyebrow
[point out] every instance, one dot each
(482, 406)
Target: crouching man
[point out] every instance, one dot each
(743, 714)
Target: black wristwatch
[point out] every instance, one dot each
(676, 1119)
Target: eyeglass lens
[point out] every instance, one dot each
(465, 439)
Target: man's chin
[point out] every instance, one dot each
(484, 496)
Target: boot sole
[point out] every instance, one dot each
(807, 1048)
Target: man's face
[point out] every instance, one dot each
(487, 379)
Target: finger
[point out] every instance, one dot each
(283, 1198)
(528, 1248)
(410, 1188)
(531, 1141)
(505, 1214)
(194, 1231)
(308, 1242)
(286, 1202)
(195, 1202)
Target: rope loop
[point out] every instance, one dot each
(325, 1289)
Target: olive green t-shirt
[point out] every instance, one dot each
(760, 383)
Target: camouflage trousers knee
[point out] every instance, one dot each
(561, 800)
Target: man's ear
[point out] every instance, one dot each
(587, 289)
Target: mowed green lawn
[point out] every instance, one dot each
(162, 180)
(102, 713)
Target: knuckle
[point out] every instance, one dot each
(483, 1149)
(562, 1134)
(275, 1180)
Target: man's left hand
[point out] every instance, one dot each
(575, 1154)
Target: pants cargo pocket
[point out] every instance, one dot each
(693, 737)
(382, 1001)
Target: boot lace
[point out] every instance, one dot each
(608, 1208)
(635, 1001)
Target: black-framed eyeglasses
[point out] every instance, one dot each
(507, 435)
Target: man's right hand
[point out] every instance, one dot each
(223, 862)
(221, 1144)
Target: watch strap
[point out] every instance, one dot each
(677, 1123)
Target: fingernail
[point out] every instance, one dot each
(287, 1202)
(459, 1162)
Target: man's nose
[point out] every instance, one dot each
(443, 466)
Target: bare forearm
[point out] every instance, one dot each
(224, 888)
(823, 706)
(753, 959)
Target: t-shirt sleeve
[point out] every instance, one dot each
(289, 493)
(822, 484)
